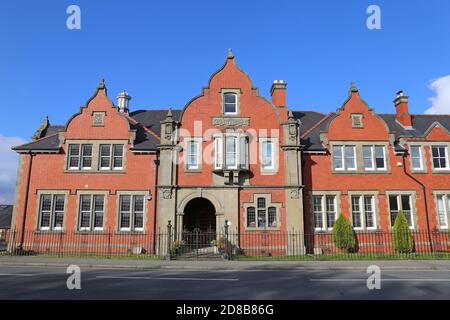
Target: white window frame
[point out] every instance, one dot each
(111, 156)
(343, 158)
(273, 156)
(236, 96)
(83, 156)
(374, 158)
(445, 209)
(52, 212)
(132, 213)
(195, 155)
(447, 165)
(324, 211)
(362, 211)
(113, 159)
(92, 212)
(70, 156)
(218, 152)
(420, 157)
(400, 207)
(235, 137)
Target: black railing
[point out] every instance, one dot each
(229, 245)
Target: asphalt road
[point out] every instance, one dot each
(33, 282)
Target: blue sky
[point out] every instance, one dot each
(163, 52)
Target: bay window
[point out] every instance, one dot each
(231, 151)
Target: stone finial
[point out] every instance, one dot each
(44, 125)
(230, 54)
(353, 87)
(101, 85)
(169, 116)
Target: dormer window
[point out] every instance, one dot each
(230, 103)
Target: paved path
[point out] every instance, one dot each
(225, 265)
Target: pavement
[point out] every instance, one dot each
(24, 278)
(443, 265)
(46, 282)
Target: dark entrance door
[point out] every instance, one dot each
(199, 215)
(199, 226)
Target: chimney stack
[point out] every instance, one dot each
(123, 101)
(402, 113)
(278, 92)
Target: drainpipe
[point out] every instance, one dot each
(22, 236)
(424, 190)
(155, 205)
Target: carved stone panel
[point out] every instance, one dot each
(230, 121)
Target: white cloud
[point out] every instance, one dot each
(440, 104)
(8, 168)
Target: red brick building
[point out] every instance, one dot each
(231, 156)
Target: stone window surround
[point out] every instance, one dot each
(199, 141)
(119, 193)
(444, 144)
(353, 116)
(359, 156)
(323, 193)
(238, 93)
(95, 166)
(421, 146)
(51, 192)
(413, 195)
(376, 208)
(435, 195)
(276, 155)
(79, 193)
(269, 203)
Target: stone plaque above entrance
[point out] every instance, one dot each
(230, 121)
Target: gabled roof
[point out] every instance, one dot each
(5, 216)
(421, 124)
(148, 129)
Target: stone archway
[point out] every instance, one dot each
(199, 215)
